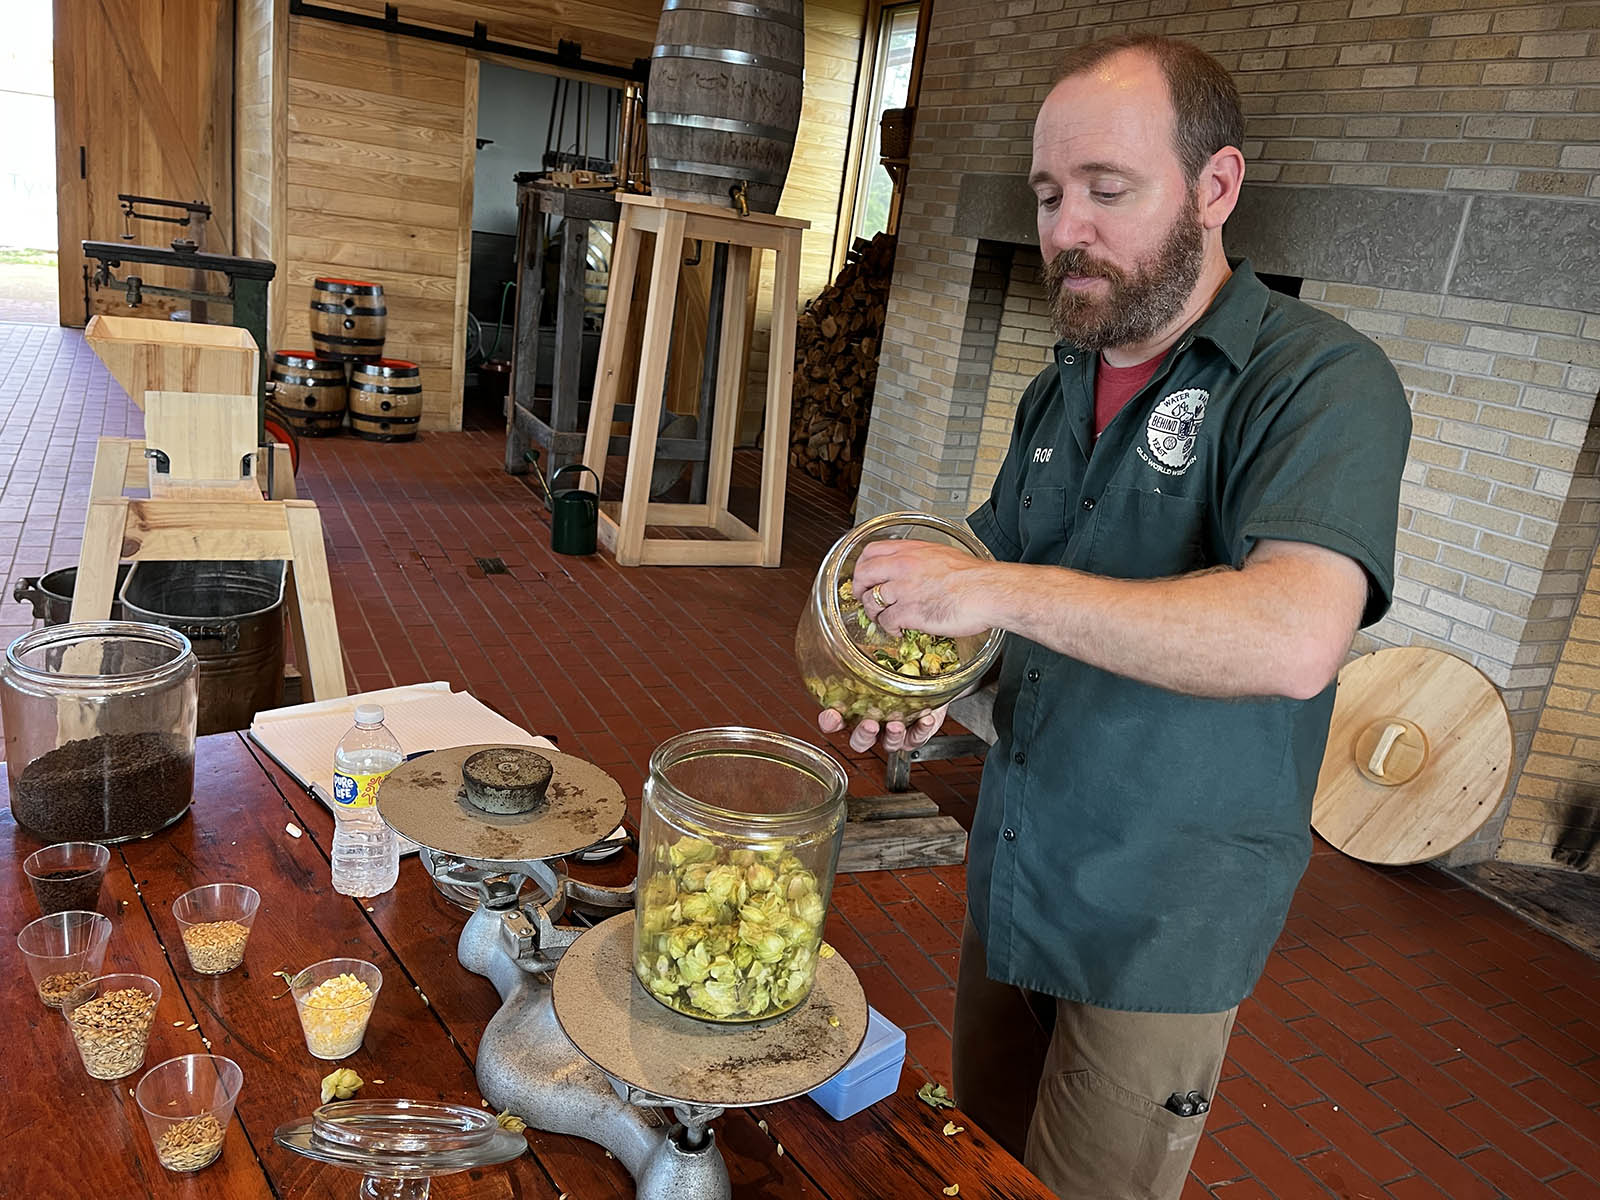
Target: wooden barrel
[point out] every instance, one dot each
(310, 392)
(348, 318)
(385, 400)
(724, 99)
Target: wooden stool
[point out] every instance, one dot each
(205, 506)
(622, 527)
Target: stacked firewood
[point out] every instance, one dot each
(836, 366)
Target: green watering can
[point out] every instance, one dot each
(574, 514)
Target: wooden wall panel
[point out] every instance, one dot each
(816, 174)
(260, 168)
(380, 143)
(144, 105)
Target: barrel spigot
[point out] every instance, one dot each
(741, 197)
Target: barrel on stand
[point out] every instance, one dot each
(385, 400)
(309, 392)
(348, 318)
(724, 100)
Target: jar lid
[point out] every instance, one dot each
(401, 1138)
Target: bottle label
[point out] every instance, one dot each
(356, 791)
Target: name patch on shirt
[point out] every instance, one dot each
(1041, 454)
(1171, 431)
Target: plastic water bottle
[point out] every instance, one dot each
(366, 852)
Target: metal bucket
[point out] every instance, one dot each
(232, 614)
(51, 594)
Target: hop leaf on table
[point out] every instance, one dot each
(934, 1095)
(341, 1085)
(510, 1121)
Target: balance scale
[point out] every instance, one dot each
(578, 1046)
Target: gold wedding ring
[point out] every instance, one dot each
(877, 596)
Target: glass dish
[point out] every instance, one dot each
(400, 1144)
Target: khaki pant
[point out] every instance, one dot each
(1078, 1093)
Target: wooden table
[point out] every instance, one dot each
(83, 1137)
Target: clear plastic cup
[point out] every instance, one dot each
(64, 951)
(66, 877)
(187, 1103)
(215, 923)
(334, 1010)
(110, 1018)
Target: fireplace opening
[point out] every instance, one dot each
(1289, 285)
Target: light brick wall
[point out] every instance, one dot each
(1461, 98)
(1558, 784)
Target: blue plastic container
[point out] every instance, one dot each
(871, 1075)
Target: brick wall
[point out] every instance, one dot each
(1430, 168)
(1557, 794)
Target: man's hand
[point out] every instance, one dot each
(923, 585)
(893, 735)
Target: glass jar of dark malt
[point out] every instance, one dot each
(99, 729)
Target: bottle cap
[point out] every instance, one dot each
(369, 714)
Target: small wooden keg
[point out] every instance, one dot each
(348, 318)
(310, 392)
(385, 400)
(723, 101)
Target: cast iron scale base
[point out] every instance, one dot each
(578, 1046)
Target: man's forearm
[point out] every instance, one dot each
(1271, 629)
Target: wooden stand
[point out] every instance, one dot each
(622, 527)
(204, 507)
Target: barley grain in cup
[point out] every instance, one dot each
(335, 998)
(187, 1103)
(64, 951)
(215, 923)
(110, 1018)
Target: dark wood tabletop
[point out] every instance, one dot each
(69, 1135)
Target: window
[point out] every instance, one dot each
(891, 77)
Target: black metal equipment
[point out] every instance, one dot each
(561, 429)
(246, 278)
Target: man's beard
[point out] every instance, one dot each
(1139, 302)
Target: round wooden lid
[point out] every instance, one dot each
(1419, 755)
(633, 1037)
(425, 800)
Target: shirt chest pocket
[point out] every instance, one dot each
(1146, 535)
(1042, 521)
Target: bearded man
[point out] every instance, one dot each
(1197, 511)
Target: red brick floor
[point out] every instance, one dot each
(1410, 1039)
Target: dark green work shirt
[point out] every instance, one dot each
(1135, 848)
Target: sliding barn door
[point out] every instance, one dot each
(144, 105)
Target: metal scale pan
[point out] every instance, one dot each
(633, 1038)
(425, 800)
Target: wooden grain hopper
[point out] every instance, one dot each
(175, 356)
